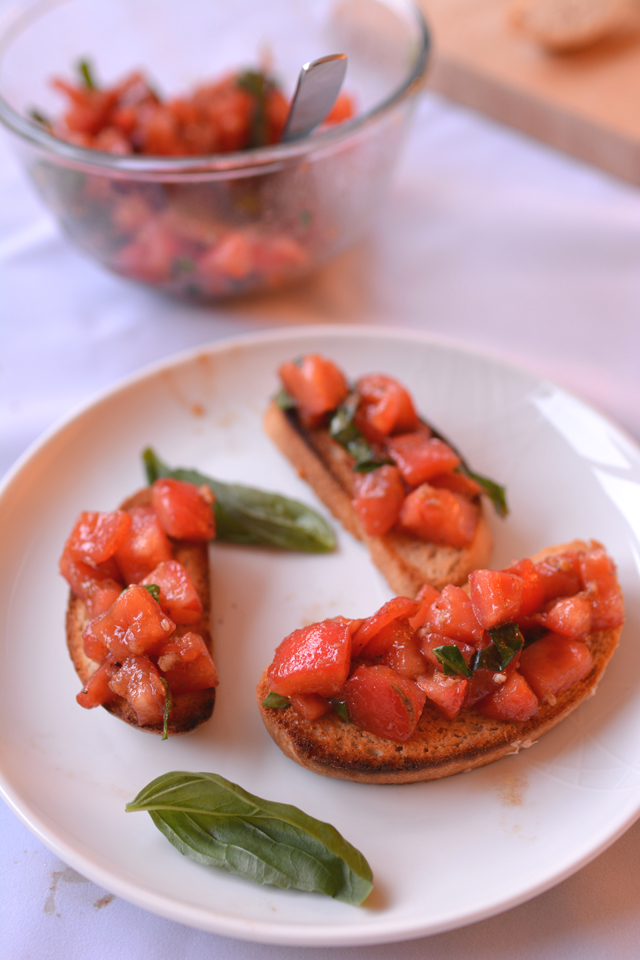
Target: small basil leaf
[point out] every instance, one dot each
(275, 701)
(168, 707)
(153, 589)
(258, 86)
(453, 663)
(340, 708)
(496, 493)
(507, 641)
(86, 73)
(219, 824)
(251, 516)
(344, 431)
(284, 400)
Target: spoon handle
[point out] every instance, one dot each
(318, 86)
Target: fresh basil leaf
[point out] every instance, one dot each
(153, 589)
(344, 431)
(284, 400)
(86, 73)
(219, 824)
(507, 641)
(340, 708)
(258, 86)
(39, 117)
(496, 493)
(453, 663)
(251, 516)
(275, 701)
(168, 707)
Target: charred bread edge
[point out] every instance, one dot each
(189, 709)
(439, 747)
(406, 563)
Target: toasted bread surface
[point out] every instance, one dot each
(565, 25)
(405, 562)
(189, 709)
(439, 747)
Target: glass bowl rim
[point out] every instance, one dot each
(17, 18)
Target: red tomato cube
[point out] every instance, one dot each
(426, 596)
(178, 596)
(96, 536)
(430, 641)
(458, 483)
(184, 510)
(97, 690)
(381, 701)
(513, 700)
(186, 664)
(398, 608)
(570, 616)
(145, 546)
(397, 631)
(138, 681)
(554, 663)
(379, 496)
(598, 576)
(310, 706)
(559, 576)
(384, 407)
(438, 516)
(133, 625)
(452, 615)
(495, 596)
(420, 458)
(405, 657)
(314, 659)
(316, 384)
(447, 693)
(533, 594)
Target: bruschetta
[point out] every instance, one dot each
(389, 478)
(138, 613)
(449, 681)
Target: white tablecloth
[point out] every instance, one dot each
(488, 240)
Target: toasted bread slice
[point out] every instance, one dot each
(565, 25)
(406, 563)
(189, 709)
(438, 747)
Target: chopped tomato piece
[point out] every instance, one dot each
(187, 664)
(379, 496)
(532, 587)
(96, 536)
(426, 596)
(316, 384)
(134, 625)
(559, 576)
(495, 596)
(405, 657)
(513, 700)
(100, 595)
(452, 615)
(310, 706)
(598, 575)
(178, 597)
(438, 516)
(384, 407)
(554, 663)
(138, 681)
(314, 659)
(420, 458)
(145, 546)
(94, 648)
(399, 607)
(446, 692)
(570, 616)
(184, 510)
(482, 683)
(432, 640)
(97, 690)
(98, 586)
(343, 109)
(457, 483)
(397, 631)
(384, 703)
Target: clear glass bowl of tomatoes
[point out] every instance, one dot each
(128, 116)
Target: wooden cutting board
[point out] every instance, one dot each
(586, 103)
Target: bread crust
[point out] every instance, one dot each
(405, 562)
(189, 709)
(439, 747)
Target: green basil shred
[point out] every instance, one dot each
(275, 701)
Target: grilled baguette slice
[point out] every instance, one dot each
(405, 562)
(189, 709)
(439, 747)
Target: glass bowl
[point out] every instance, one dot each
(213, 226)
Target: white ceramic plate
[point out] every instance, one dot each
(443, 854)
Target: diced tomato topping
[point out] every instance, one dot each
(310, 706)
(316, 384)
(384, 407)
(554, 663)
(133, 625)
(559, 576)
(495, 596)
(314, 659)
(570, 616)
(96, 536)
(379, 496)
(513, 700)
(399, 607)
(187, 664)
(452, 615)
(94, 648)
(420, 458)
(405, 657)
(97, 690)
(426, 596)
(397, 631)
(598, 576)
(438, 516)
(178, 596)
(184, 510)
(384, 703)
(139, 683)
(532, 587)
(430, 641)
(97, 586)
(458, 483)
(145, 546)
(343, 109)
(101, 595)
(446, 692)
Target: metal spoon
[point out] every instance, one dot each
(318, 86)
